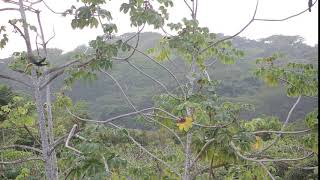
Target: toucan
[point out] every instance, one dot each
(40, 62)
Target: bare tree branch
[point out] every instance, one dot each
(212, 63)
(265, 168)
(26, 8)
(54, 69)
(309, 168)
(18, 161)
(251, 21)
(22, 147)
(147, 151)
(18, 29)
(286, 18)
(121, 89)
(282, 128)
(51, 8)
(165, 68)
(232, 145)
(54, 35)
(236, 34)
(30, 133)
(110, 119)
(188, 5)
(201, 151)
(132, 139)
(9, 9)
(106, 167)
(164, 117)
(120, 116)
(281, 132)
(135, 47)
(71, 134)
(35, 2)
(215, 126)
(131, 104)
(166, 33)
(16, 80)
(169, 129)
(51, 79)
(153, 79)
(62, 139)
(205, 169)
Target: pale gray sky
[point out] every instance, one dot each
(220, 16)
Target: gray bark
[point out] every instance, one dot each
(188, 155)
(43, 129)
(49, 170)
(186, 175)
(53, 155)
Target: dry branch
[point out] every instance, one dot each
(71, 134)
(18, 161)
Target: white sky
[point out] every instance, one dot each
(220, 16)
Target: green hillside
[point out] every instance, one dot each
(237, 81)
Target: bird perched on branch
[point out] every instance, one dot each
(310, 5)
(39, 63)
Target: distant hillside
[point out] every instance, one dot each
(237, 82)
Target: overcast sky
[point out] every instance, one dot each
(220, 16)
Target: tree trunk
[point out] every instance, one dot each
(49, 164)
(49, 169)
(53, 155)
(186, 174)
(188, 155)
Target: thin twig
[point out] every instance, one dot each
(165, 68)
(187, 4)
(309, 168)
(121, 89)
(153, 79)
(131, 104)
(251, 21)
(35, 2)
(232, 145)
(18, 29)
(265, 168)
(236, 34)
(147, 151)
(169, 129)
(110, 119)
(30, 133)
(281, 132)
(215, 126)
(286, 18)
(201, 151)
(54, 35)
(51, 8)
(135, 47)
(282, 128)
